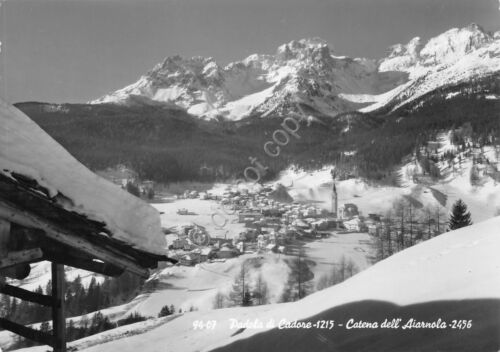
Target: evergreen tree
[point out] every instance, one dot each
(240, 294)
(165, 311)
(132, 318)
(459, 216)
(45, 327)
(150, 193)
(133, 189)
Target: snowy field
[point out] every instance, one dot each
(202, 210)
(328, 252)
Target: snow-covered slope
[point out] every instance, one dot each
(25, 149)
(460, 55)
(418, 57)
(480, 64)
(308, 72)
(455, 266)
(482, 201)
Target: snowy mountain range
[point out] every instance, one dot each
(309, 73)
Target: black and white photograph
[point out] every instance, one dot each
(250, 175)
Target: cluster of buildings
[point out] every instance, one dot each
(194, 245)
(272, 222)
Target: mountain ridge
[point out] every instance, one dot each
(309, 73)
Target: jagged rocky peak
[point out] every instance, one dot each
(254, 61)
(194, 65)
(446, 48)
(308, 48)
(411, 49)
(401, 57)
(454, 43)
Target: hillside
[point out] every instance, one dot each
(460, 270)
(168, 145)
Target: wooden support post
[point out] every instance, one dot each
(58, 316)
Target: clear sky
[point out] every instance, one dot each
(77, 50)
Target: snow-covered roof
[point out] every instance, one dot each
(206, 251)
(25, 149)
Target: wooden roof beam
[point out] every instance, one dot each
(44, 300)
(21, 257)
(29, 333)
(19, 216)
(68, 256)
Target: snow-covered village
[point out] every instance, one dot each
(249, 176)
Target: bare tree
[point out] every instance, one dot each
(388, 232)
(323, 282)
(351, 268)
(429, 221)
(341, 269)
(219, 300)
(400, 213)
(410, 214)
(240, 294)
(261, 291)
(439, 216)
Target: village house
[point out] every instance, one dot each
(300, 224)
(261, 241)
(207, 253)
(180, 243)
(187, 260)
(374, 229)
(348, 211)
(218, 242)
(353, 225)
(375, 217)
(321, 224)
(226, 252)
(249, 217)
(240, 246)
(271, 247)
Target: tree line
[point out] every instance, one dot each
(169, 146)
(405, 225)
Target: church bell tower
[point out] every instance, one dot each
(335, 204)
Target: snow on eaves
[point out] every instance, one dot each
(27, 150)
